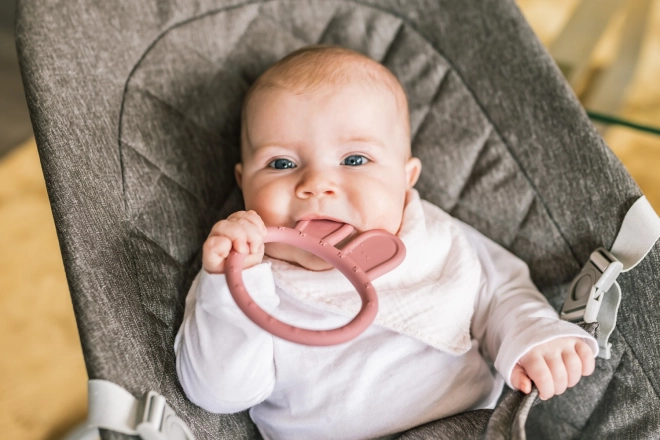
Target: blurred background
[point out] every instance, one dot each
(609, 51)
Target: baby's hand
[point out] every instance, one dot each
(244, 231)
(553, 366)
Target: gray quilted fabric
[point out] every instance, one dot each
(135, 106)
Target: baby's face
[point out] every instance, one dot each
(341, 155)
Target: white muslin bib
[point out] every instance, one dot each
(430, 296)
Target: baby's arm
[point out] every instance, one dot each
(517, 327)
(223, 360)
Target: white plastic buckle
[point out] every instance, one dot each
(160, 422)
(586, 292)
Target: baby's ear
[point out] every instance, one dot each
(413, 170)
(376, 252)
(238, 173)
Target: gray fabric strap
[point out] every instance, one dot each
(639, 232)
(508, 419)
(113, 408)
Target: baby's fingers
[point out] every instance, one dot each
(573, 367)
(214, 253)
(539, 372)
(586, 356)
(253, 231)
(256, 220)
(245, 236)
(520, 381)
(251, 240)
(559, 373)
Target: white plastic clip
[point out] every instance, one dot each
(594, 295)
(160, 422)
(586, 292)
(112, 407)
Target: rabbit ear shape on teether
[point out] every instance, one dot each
(327, 230)
(376, 252)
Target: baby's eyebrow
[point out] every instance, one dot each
(272, 145)
(363, 139)
(344, 140)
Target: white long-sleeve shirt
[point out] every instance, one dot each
(379, 384)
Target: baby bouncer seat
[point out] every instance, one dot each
(135, 107)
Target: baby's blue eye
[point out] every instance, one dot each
(282, 164)
(355, 160)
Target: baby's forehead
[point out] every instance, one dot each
(319, 70)
(315, 69)
(325, 74)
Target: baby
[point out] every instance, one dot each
(325, 134)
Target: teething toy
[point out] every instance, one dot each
(363, 259)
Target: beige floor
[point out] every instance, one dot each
(639, 152)
(42, 375)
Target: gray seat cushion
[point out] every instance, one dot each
(136, 111)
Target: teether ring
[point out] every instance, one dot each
(366, 257)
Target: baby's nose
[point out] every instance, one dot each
(316, 183)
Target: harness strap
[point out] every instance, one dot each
(637, 236)
(113, 408)
(639, 232)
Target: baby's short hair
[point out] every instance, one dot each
(319, 68)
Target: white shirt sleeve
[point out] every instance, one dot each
(224, 361)
(511, 316)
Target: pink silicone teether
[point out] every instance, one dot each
(363, 259)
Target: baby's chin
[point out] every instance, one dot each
(296, 256)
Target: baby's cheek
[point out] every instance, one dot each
(382, 206)
(272, 206)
